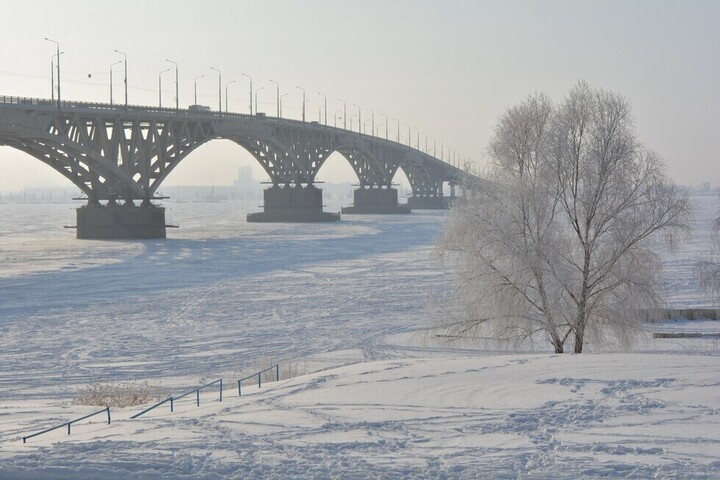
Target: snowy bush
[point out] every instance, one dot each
(119, 395)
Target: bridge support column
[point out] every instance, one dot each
(428, 203)
(120, 222)
(376, 200)
(293, 204)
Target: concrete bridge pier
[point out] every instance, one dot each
(376, 200)
(120, 222)
(293, 204)
(428, 202)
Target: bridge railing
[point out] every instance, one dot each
(68, 424)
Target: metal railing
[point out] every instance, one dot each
(172, 400)
(275, 367)
(68, 424)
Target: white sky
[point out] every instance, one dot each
(446, 67)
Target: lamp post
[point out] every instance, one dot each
(397, 130)
(281, 97)
(372, 123)
(359, 117)
(219, 88)
(177, 88)
(251, 93)
(325, 97)
(226, 95)
(196, 79)
(277, 96)
(303, 105)
(52, 75)
(57, 53)
(386, 125)
(344, 113)
(111, 82)
(256, 103)
(126, 84)
(159, 85)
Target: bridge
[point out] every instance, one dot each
(118, 156)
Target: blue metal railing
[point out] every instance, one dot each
(275, 367)
(172, 400)
(68, 424)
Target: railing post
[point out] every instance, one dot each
(259, 379)
(277, 372)
(239, 391)
(69, 423)
(172, 406)
(221, 389)
(198, 396)
(108, 410)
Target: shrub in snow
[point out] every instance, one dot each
(119, 395)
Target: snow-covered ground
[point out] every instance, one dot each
(350, 300)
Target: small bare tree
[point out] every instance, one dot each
(558, 241)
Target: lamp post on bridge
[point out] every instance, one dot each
(251, 93)
(57, 53)
(386, 125)
(111, 80)
(325, 97)
(219, 88)
(126, 82)
(177, 88)
(256, 102)
(359, 117)
(397, 130)
(303, 105)
(372, 123)
(277, 96)
(52, 75)
(159, 85)
(226, 95)
(281, 100)
(196, 79)
(344, 113)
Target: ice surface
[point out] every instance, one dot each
(221, 296)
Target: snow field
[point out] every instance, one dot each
(221, 296)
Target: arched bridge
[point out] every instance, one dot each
(119, 156)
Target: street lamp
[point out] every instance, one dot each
(126, 84)
(359, 117)
(111, 80)
(335, 115)
(373, 121)
(57, 47)
(196, 79)
(277, 97)
(344, 113)
(219, 88)
(177, 91)
(281, 97)
(397, 130)
(256, 103)
(251, 93)
(325, 97)
(159, 85)
(303, 106)
(52, 75)
(386, 125)
(226, 95)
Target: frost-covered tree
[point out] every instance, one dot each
(557, 241)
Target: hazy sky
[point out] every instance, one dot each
(446, 67)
